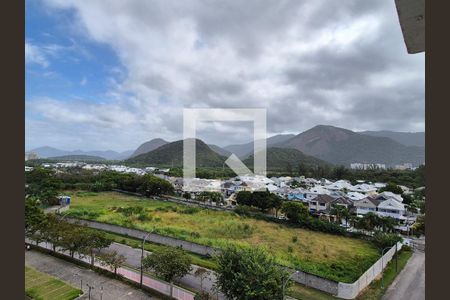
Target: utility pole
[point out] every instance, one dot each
(382, 256)
(142, 259)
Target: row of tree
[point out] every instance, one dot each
(412, 178)
(74, 238)
(44, 184)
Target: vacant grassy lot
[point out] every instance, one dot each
(333, 257)
(41, 286)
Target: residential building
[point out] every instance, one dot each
(366, 205)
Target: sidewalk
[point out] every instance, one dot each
(104, 287)
(134, 275)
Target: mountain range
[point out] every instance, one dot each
(405, 138)
(244, 150)
(319, 145)
(343, 147)
(47, 152)
(285, 158)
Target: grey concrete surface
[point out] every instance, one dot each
(73, 274)
(410, 283)
(133, 258)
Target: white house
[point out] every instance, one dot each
(364, 188)
(391, 208)
(389, 195)
(355, 196)
(339, 185)
(366, 205)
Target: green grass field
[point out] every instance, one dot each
(334, 257)
(41, 286)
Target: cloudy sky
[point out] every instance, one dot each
(113, 74)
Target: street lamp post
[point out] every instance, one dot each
(382, 256)
(142, 258)
(287, 280)
(90, 288)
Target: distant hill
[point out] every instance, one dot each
(244, 150)
(171, 154)
(149, 146)
(77, 157)
(342, 146)
(405, 138)
(281, 158)
(47, 152)
(219, 150)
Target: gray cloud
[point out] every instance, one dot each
(342, 63)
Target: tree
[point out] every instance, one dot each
(249, 273)
(369, 221)
(202, 273)
(95, 241)
(276, 203)
(339, 211)
(150, 185)
(244, 198)
(392, 187)
(43, 185)
(262, 200)
(295, 211)
(419, 225)
(383, 240)
(51, 232)
(72, 238)
(34, 217)
(168, 263)
(388, 224)
(112, 260)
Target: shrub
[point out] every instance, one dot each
(190, 210)
(383, 240)
(294, 239)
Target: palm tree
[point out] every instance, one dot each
(388, 224)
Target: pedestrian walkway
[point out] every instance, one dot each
(102, 287)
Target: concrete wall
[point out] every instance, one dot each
(351, 290)
(153, 237)
(316, 282)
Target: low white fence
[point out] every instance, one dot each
(150, 282)
(351, 290)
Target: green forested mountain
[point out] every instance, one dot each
(342, 146)
(284, 158)
(171, 155)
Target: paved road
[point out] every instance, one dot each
(410, 283)
(72, 274)
(133, 258)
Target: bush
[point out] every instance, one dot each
(243, 210)
(294, 239)
(383, 240)
(190, 210)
